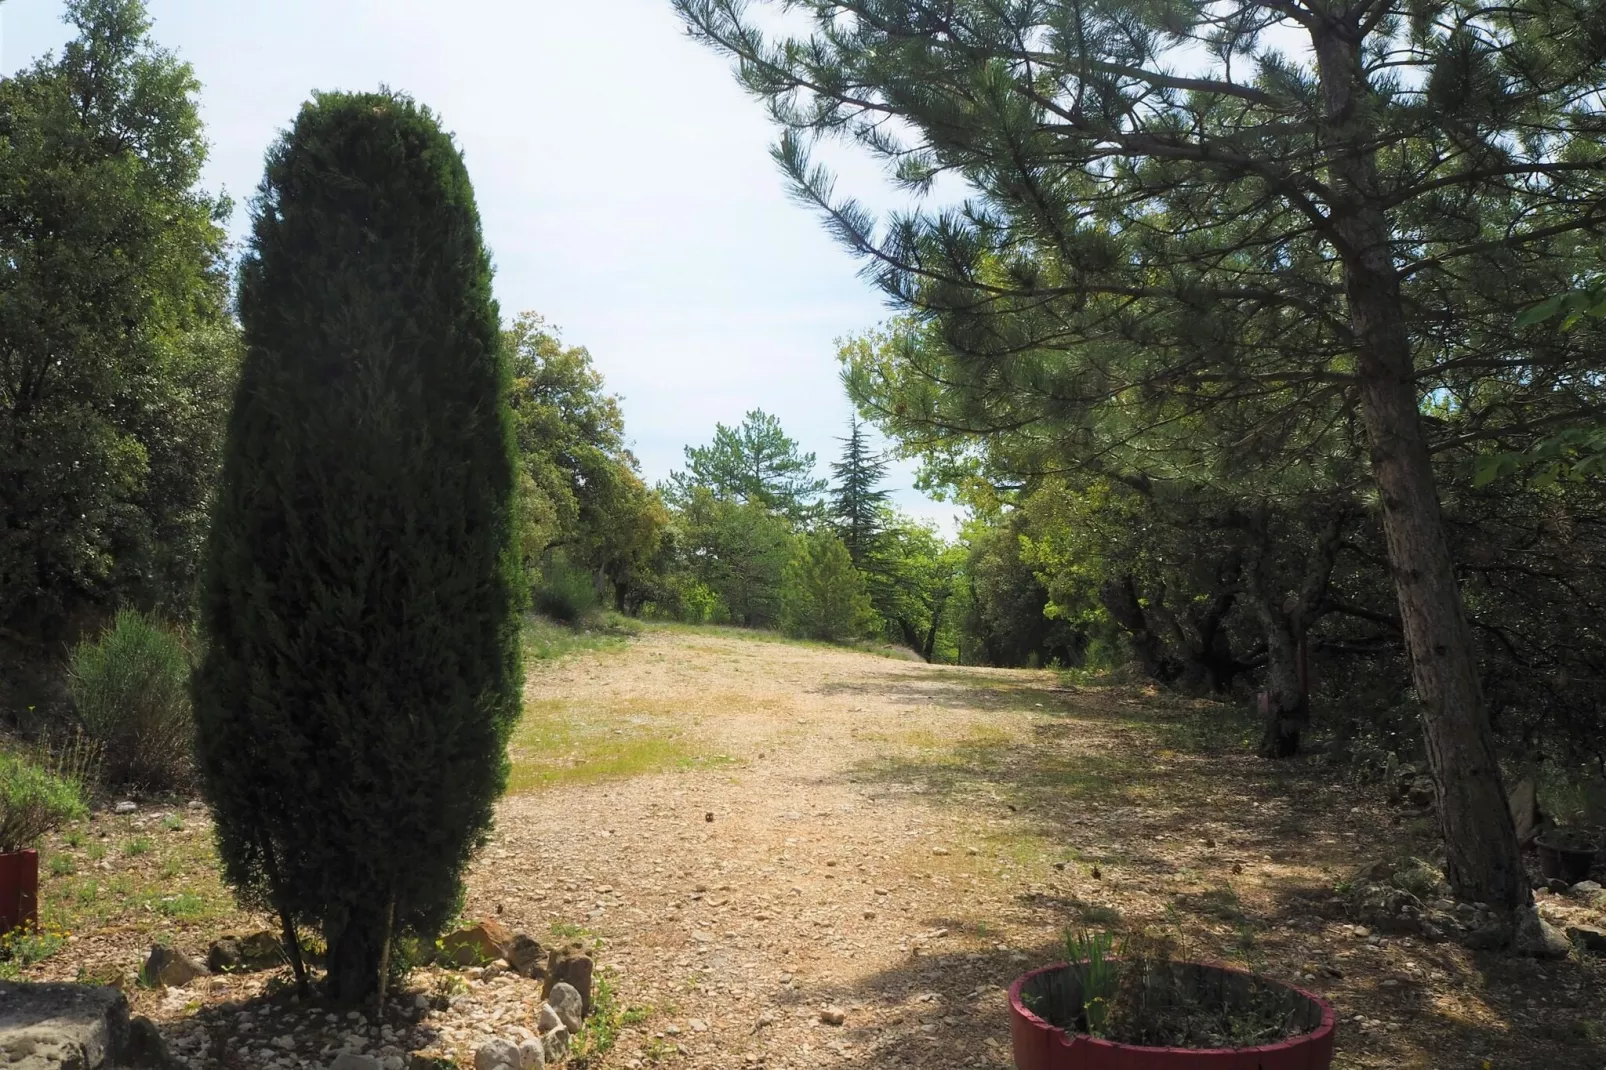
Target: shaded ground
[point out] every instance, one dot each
(899, 840)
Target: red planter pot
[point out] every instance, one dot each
(1041, 1046)
(19, 890)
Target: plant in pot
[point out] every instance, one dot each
(1567, 853)
(1131, 1003)
(33, 802)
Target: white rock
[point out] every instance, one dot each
(532, 1055)
(127, 806)
(548, 1019)
(556, 1045)
(565, 999)
(392, 1062)
(698, 1025)
(496, 1054)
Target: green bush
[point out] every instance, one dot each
(688, 600)
(565, 592)
(33, 801)
(131, 689)
(823, 596)
(361, 588)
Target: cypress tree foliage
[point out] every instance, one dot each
(859, 499)
(362, 668)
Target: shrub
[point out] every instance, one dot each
(565, 592)
(822, 595)
(131, 689)
(33, 801)
(361, 591)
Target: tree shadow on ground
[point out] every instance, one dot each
(1131, 812)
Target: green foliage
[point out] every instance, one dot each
(119, 352)
(858, 501)
(1089, 957)
(33, 802)
(823, 595)
(130, 687)
(734, 550)
(755, 463)
(361, 674)
(580, 492)
(565, 592)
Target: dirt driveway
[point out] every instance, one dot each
(803, 827)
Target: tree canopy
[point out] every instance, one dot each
(1289, 236)
(755, 463)
(116, 349)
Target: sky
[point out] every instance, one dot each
(623, 179)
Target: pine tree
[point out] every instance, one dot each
(859, 500)
(1384, 184)
(756, 463)
(362, 670)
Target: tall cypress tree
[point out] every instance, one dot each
(362, 670)
(858, 499)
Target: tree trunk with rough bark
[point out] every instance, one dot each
(1484, 862)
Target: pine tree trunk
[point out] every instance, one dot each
(1484, 863)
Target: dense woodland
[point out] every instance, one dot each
(1246, 390)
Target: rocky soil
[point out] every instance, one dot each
(842, 860)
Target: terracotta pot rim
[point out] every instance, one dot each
(1328, 1025)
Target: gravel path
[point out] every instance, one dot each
(897, 841)
(739, 899)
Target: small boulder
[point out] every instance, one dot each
(570, 965)
(262, 950)
(548, 1019)
(485, 942)
(127, 806)
(348, 1060)
(497, 1054)
(526, 956)
(146, 1050)
(1588, 891)
(1370, 872)
(1422, 792)
(833, 1015)
(555, 1043)
(224, 955)
(1422, 879)
(1535, 937)
(1588, 937)
(1524, 805)
(257, 951)
(532, 1055)
(566, 1004)
(169, 968)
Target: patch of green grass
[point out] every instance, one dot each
(74, 838)
(560, 742)
(185, 906)
(139, 845)
(61, 866)
(601, 1031)
(96, 852)
(173, 823)
(761, 635)
(548, 640)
